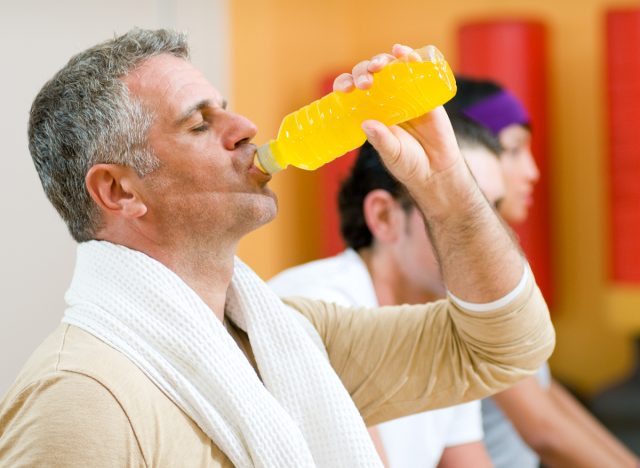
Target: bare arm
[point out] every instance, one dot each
(600, 436)
(471, 454)
(377, 442)
(464, 444)
(559, 440)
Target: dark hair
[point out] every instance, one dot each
(469, 92)
(368, 174)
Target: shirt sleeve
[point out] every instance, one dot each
(466, 426)
(313, 291)
(67, 420)
(401, 360)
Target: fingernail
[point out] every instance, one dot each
(414, 56)
(368, 131)
(362, 80)
(343, 82)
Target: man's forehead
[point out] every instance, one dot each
(170, 77)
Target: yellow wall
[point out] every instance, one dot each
(282, 48)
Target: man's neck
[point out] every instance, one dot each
(206, 270)
(391, 286)
(208, 274)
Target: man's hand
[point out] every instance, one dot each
(417, 148)
(479, 260)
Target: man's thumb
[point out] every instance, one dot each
(382, 139)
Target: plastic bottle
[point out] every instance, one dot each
(329, 127)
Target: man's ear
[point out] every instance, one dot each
(383, 215)
(113, 188)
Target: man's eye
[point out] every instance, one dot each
(201, 128)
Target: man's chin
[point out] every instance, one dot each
(273, 212)
(266, 210)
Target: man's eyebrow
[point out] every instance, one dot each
(197, 108)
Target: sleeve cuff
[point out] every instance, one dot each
(503, 301)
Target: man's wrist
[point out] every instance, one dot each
(498, 303)
(478, 258)
(448, 193)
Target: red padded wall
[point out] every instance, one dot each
(513, 53)
(330, 177)
(623, 92)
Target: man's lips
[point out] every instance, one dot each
(254, 170)
(248, 153)
(258, 174)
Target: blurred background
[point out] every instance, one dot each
(576, 65)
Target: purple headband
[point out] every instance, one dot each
(497, 112)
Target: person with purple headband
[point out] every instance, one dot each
(502, 113)
(537, 420)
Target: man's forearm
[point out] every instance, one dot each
(469, 454)
(480, 261)
(558, 438)
(600, 436)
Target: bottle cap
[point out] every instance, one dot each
(265, 161)
(431, 54)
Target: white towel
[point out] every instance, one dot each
(299, 415)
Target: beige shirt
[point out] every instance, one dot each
(78, 402)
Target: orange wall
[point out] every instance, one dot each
(281, 49)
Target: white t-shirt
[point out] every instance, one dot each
(413, 441)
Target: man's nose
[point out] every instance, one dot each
(239, 130)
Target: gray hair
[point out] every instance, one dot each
(85, 116)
